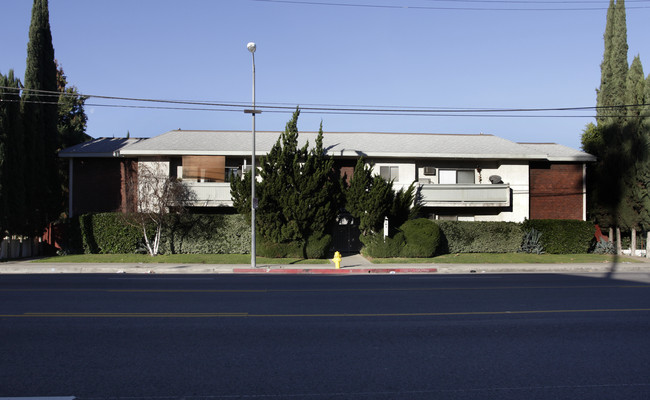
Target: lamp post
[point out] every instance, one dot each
(251, 47)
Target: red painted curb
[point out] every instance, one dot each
(331, 271)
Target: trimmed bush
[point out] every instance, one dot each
(206, 234)
(108, 233)
(318, 247)
(278, 250)
(375, 246)
(480, 237)
(563, 236)
(422, 237)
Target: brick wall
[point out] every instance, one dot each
(99, 185)
(556, 191)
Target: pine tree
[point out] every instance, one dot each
(40, 116)
(369, 199)
(12, 183)
(299, 193)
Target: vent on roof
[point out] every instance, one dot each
(430, 171)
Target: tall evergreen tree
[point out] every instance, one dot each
(40, 116)
(72, 117)
(299, 195)
(614, 66)
(12, 183)
(369, 199)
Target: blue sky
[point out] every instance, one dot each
(321, 54)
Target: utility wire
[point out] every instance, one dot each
(455, 8)
(325, 109)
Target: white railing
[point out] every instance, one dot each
(210, 194)
(465, 195)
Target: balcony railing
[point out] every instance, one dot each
(210, 194)
(217, 194)
(465, 195)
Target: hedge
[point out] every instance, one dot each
(563, 236)
(480, 237)
(108, 233)
(317, 247)
(422, 237)
(206, 234)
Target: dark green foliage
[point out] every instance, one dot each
(106, 233)
(318, 247)
(40, 116)
(299, 194)
(422, 238)
(369, 199)
(266, 248)
(206, 234)
(418, 238)
(563, 236)
(376, 246)
(12, 183)
(71, 117)
(480, 237)
(614, 66)
(532, 243)
(618, 183)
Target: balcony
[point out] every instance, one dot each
(210, 194)
(465, 195)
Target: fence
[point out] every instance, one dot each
(12, 248)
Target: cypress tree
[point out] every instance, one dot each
(614, 66)
(40, 116)
(12, 183)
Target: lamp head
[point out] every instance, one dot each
(251, 47)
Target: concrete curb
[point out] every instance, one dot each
(330, 271)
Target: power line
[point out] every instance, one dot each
(457, 8)
(330, 108)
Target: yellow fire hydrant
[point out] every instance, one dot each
(337, 259)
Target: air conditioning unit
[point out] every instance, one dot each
(430, 171)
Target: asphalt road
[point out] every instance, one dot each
(317, 337)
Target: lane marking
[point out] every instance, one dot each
(337, 315)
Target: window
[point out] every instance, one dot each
(452, 176)
(389, 173)
(204, 168)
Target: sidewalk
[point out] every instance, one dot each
(355, 264)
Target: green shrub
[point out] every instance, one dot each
(206, 234)
(108, 233)
(376, 247)
(480, 237)
(422, 237)
(269, 249)
(563, 236)
(318, 247)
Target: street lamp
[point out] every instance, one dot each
(251, 47)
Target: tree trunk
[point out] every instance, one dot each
(619, 248)
(610, 238)
(633, 243)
